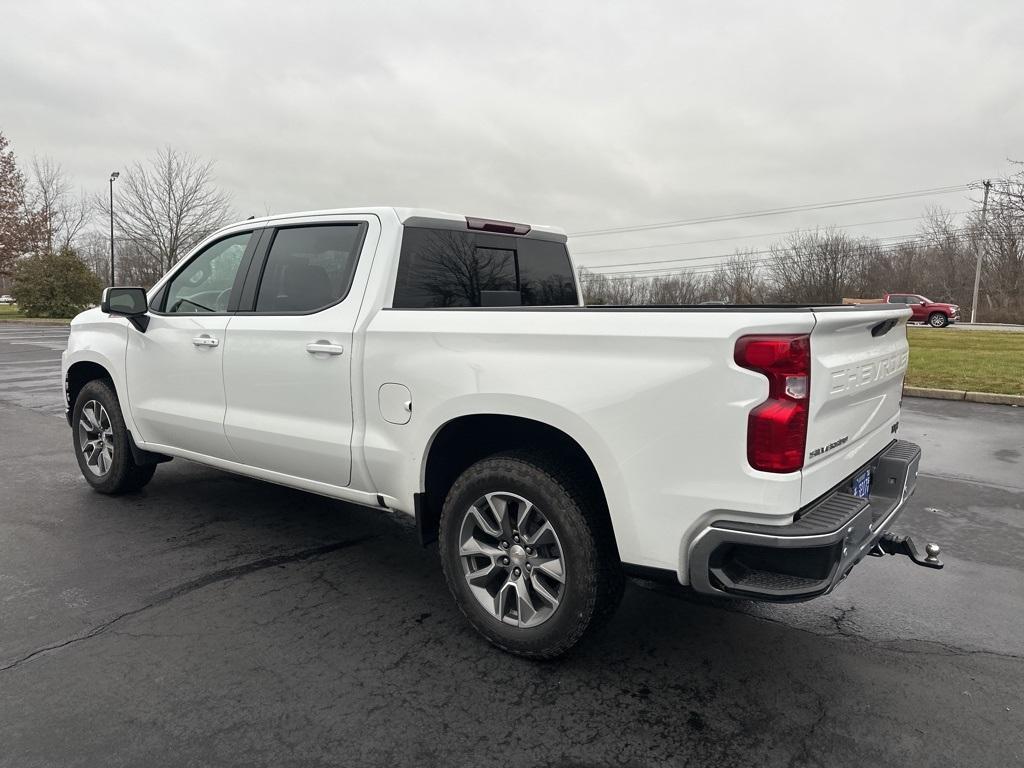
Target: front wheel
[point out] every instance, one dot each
(938, 320)
(102, 442)
(528, 553)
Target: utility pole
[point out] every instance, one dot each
(978, 252)
(113, 176)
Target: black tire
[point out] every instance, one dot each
(593, 573)
(938, 320)
(122, 474)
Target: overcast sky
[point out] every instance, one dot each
(581, 115)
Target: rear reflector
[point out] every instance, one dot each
(502, 227)
(777, 428)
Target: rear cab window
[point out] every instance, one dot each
(441, 268)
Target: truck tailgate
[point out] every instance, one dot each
(858, 361)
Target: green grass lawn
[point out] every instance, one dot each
(9, 313)
(977, 361)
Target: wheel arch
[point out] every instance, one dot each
(464, 438)
(80, 373)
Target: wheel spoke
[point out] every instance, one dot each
(523, 513)
(550, 566)
(543, 535)
(486, 522)
(89, 419)
(474, 547)
(498, 504)
(544, 592)
(482, 576)
(526, 608)
(501, 600)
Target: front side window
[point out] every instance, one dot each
(309, 268)
(205, 283)
(453, 268)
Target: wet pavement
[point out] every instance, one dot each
(215, 620)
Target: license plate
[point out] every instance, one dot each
(860, 486)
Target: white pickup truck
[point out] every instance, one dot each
(445, 367)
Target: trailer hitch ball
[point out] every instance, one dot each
(891, 544)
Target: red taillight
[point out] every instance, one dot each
(777, 428)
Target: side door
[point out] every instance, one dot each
(288, 359)
(919, 306)
(175, 369)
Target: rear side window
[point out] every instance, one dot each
(309, 268)
(450, 268)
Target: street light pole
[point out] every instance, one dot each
(113, 176)
(977, 252)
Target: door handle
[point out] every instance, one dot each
(205, 341)
(324, 348)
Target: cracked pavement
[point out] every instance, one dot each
(214, 620)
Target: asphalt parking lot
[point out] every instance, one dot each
(214, 620)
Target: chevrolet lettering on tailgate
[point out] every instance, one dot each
(846, 379)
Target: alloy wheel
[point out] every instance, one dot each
(512, 559)
(96, 438)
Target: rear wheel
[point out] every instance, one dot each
(102, 443)
(938, 320)
(528, 553)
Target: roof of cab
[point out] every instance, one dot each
(416, 217)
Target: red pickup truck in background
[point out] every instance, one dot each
(936, 313)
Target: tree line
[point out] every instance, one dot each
(55, 247)
(55, 240)
(824, 266)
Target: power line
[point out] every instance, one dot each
(748, 237)
(907, 237)
(775, 211)
(706, 268)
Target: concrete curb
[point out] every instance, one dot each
(991, 398)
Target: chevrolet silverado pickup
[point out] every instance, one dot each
(937, 314)
(446, 367)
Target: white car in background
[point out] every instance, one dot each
(444, 366)
(6, 299)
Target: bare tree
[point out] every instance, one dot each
(816, 266)
(739, 280)
(62, 215)
(167, 205)
(18, 224)
(93, 249)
